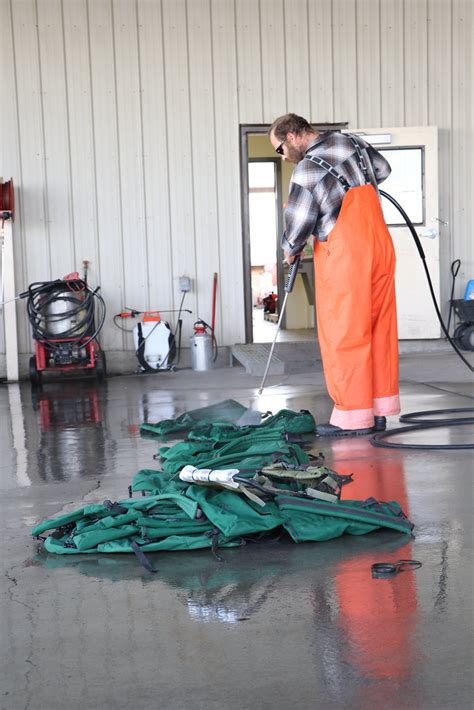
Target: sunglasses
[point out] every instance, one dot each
(279, 149)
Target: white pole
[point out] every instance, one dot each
(9, 309)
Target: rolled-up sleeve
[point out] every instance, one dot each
(300, 219)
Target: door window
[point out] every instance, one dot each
(405, 183)
(263, 228)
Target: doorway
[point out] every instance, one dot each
(265, 180)
(413, 155)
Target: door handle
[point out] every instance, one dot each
(429, 232)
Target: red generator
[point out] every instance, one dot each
(63, 316)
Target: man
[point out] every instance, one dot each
(333, 196)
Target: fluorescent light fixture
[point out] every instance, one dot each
(376, 138)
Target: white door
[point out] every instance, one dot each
(413, 156)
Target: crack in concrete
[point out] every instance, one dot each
(14, 587)
(444, 389)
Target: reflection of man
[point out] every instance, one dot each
(376, 608)
(332, 196)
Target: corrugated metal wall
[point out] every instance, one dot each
(120, 126)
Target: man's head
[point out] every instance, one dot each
(291, 136)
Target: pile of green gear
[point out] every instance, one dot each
(267, 484)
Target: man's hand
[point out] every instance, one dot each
(290, 258)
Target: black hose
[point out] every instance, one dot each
(140, 351)
(179, 328)
(455, 266)
(81, 304)
(417, 417)
(415, 236)
(378, 439)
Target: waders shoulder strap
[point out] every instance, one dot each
(329, 169)
(332, 171)
(360, 158)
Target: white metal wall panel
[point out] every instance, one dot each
(81, 139)
(296, 25)
(109, 208)
(204, 153)
(463, 137)
(439, 67)
(31, 189)
(439, 114)
(274, 77)
(224, 55)
(130, 141)
(179, 142)
(32, 185)
(391, 63)
(155, 156)
(345, 62)
(415, 65)
(249, 61)
(368, 64)
(122, 133)
(56, 139)
(9, 152)
(321, 60)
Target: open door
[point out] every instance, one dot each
(265, 180)
(413, 156)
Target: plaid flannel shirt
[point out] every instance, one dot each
(315, 196)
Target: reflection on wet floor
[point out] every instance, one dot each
(328, 586)
(288, 624)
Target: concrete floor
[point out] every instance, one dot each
(273, 626)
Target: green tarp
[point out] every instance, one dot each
(185, 517)
(174, 515)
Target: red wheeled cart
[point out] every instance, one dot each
(62, 314)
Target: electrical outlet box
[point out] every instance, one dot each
(184, 284)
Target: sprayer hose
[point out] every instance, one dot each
(420, 423)
(80, 303)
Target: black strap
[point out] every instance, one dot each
(115, 508)
(140, 351)
(332, 171)
(142, 558)
(385, 570)
(360, 158)
(328, 167)
(214, 535)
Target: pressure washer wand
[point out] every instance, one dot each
(290, 282)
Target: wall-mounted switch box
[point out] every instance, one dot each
(184, 284)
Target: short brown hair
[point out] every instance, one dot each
(289, 123)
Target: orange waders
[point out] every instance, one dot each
(356, 310)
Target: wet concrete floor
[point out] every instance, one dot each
(273, 626)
